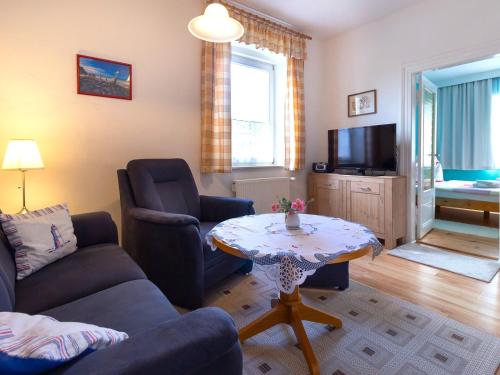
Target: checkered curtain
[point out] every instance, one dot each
(216, 108)
(216, 90)
(295, 132)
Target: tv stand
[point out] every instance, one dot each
(364, 172)
(378, 202)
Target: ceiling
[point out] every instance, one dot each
(325, 18)
(451, 75)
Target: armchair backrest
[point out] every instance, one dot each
(164, 185)
(7, 275)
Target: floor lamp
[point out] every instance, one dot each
(22, 155)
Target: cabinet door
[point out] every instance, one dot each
(329, 201)
(368, 209)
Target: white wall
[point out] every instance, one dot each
(373, 56)
(85, 139)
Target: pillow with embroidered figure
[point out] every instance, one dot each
(39, 237)
(32, 344)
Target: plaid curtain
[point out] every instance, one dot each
(295, 137)
(216, 108)
(216, 90)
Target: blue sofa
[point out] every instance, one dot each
(100, 284)
(164, 223)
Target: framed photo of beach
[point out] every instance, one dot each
(100, 77)
(362, 103)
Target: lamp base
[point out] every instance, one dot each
(24, 210)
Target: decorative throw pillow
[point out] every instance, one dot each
(39, 237)
(32, 344)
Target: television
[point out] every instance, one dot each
(369, 147)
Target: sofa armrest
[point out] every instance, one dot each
(193, 344)
(94, 228)
(164, 218)
(223, 208)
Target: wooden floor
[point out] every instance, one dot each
(469, 301)
(464, 243)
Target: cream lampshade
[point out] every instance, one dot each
(22, 155)
(215, 25)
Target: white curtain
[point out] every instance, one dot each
(465, 126)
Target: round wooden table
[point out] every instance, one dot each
(289, 308)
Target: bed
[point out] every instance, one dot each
(463, 194)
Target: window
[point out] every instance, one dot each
(257, 106)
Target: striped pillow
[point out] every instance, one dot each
(39, 237)
(32, 344)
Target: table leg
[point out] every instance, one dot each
(317, 316)
(303, 340)
(276, 315)
(290, 310)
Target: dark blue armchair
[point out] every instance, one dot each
(164, 223)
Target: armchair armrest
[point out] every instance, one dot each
(223, 208)
(204, 341)
(168, 247)
(166, 218)
(94, 228)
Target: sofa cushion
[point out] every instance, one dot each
(131, 307)
(39, 237)
(84, 272)
(33, 344)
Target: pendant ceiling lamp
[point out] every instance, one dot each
(215, 25)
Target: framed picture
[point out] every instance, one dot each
(362, 103)
(100, 77)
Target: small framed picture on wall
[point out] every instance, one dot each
(362, 103)
(100, 77)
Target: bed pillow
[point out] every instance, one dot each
(487, 184)
(32, 344)
(39, 237)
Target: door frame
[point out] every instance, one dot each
(406, 128)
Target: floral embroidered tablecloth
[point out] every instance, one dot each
(292, 255)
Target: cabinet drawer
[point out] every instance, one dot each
(327, 184)
(365, 187)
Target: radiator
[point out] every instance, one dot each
(263, 191)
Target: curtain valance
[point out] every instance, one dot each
(265, 33)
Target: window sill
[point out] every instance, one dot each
(253, 167)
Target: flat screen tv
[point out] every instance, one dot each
(369, 147)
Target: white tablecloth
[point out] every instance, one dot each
(292, 255)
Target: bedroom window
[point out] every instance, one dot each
(257, 106)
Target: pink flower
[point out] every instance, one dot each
(275, 207)
(298, 205)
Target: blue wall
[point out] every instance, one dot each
(470, 175)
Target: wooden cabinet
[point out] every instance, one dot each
(379, 203)
(367, 209)
(331, 195)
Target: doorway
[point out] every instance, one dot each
(457, 170)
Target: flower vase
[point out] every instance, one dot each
(292, 220)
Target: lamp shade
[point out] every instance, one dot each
(22, 154)
(215, 25)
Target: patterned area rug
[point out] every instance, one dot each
(381, 334)
(474, 267)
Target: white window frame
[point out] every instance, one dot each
(261, 59)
